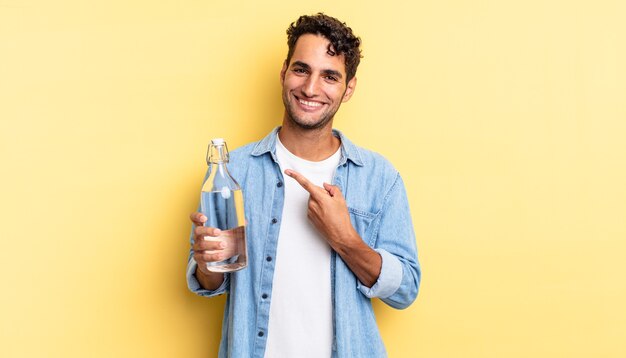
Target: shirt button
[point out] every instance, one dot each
(268, 259)
(260, 334)
(264, 296)
(274, 221)
(279, 184)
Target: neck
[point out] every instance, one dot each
(309, 144)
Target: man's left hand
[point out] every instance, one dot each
(328, 210)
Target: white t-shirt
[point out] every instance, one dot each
(301, 322)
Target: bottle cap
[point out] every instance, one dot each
(217, 141)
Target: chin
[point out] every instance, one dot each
(300, 122)
(308, 125)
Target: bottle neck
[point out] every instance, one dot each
(219, 177)
(218, 154)
(218, 158)
(219, 167)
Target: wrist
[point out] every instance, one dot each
(346, 242)
(207, 279)
(201, 270)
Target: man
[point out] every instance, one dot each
(317, 252)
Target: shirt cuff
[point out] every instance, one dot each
(194, 285)
(389, 279)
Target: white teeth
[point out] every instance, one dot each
(310, 104)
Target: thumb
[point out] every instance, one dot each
(332, 189)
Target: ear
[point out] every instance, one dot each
(282, 72)
(349, 90)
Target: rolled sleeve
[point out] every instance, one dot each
(195, 287)
(399, 280)
(389, 279)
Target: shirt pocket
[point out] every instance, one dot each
(362, 223)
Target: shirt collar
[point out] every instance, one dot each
(349, 151)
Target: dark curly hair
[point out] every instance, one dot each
(342, 40)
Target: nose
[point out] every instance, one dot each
(310, 88)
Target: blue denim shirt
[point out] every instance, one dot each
(379, 212)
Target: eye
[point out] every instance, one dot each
(331, 78)
(299, 70)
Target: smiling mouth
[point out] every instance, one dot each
(310, 104)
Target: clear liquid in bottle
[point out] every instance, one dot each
(222, 203)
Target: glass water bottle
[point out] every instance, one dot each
(222, 204)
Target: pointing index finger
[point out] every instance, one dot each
(304, 182)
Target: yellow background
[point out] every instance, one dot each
(507, 120)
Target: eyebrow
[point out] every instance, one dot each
(325, 72)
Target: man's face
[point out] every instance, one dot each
(314, 83)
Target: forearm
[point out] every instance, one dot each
(209, 281)
(362, 260)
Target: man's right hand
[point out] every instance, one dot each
(207, 247)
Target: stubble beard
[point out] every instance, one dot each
(325, 118)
